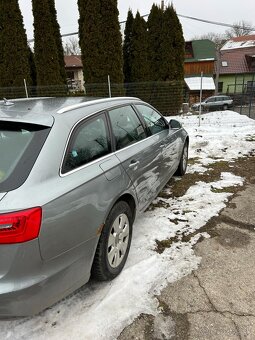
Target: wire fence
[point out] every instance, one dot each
(244, 99)
(167, 97)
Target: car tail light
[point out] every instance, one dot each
(20, 226)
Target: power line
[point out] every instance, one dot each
(179, 15)
(216, 22)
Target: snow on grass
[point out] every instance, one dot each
(102, 310)
(224, 135)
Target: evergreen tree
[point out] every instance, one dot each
(90, 39)
(32, 67)
(48, 69)
(140, 68)
(100, 41)
(179, 46)
(110, 28)
(127, 47)
(166, 53)
(155, 39)
(176, 49)
(172, 47)
(58, 39)
(14, 53)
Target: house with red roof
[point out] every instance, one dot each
(237, 65)
(74, 72)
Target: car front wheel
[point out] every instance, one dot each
(225, 107)
(181, 170)
(114, 243)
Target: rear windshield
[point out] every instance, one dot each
(20, 145)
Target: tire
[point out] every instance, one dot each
(114, 243)
(225, 107)
(205, 108)
(182, 167)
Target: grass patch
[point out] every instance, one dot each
(193, 161)
(184, 237)
(243, 167)
(158, 204)
(223, 190)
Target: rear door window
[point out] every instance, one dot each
(20, 145)
(89, 142)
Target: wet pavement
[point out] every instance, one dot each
(217, 301)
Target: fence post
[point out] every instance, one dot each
(25, 84)
(109, 86)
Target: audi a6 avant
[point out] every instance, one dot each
(73, 174)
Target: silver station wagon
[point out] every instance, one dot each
(73, 174)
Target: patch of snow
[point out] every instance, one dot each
(194, 83)
(230, 45)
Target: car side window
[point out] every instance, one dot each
(211, 100)
(153, 119)
(89, 142)
(127, 128)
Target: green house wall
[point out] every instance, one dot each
(234, 83)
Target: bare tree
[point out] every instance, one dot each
(239, 29)
(218, 38)
(71, 46)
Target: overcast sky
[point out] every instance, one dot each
(227, 11)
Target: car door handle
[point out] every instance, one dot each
(133, 164)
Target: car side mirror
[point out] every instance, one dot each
(174, 124)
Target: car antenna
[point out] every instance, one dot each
(7, 102)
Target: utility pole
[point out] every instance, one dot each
(200, 100)
(162, 5)
(218, 61)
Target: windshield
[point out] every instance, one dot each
(19, 147)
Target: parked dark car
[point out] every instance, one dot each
(73, 174)
(214, 103)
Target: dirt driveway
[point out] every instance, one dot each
(217, 301)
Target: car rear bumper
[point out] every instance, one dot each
(28, 285)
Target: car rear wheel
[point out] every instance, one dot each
(181, 170)
(114, 243)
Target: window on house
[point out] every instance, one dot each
(224, 63)
(220, 86)
(250, 86)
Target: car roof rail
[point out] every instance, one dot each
(92, 102)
